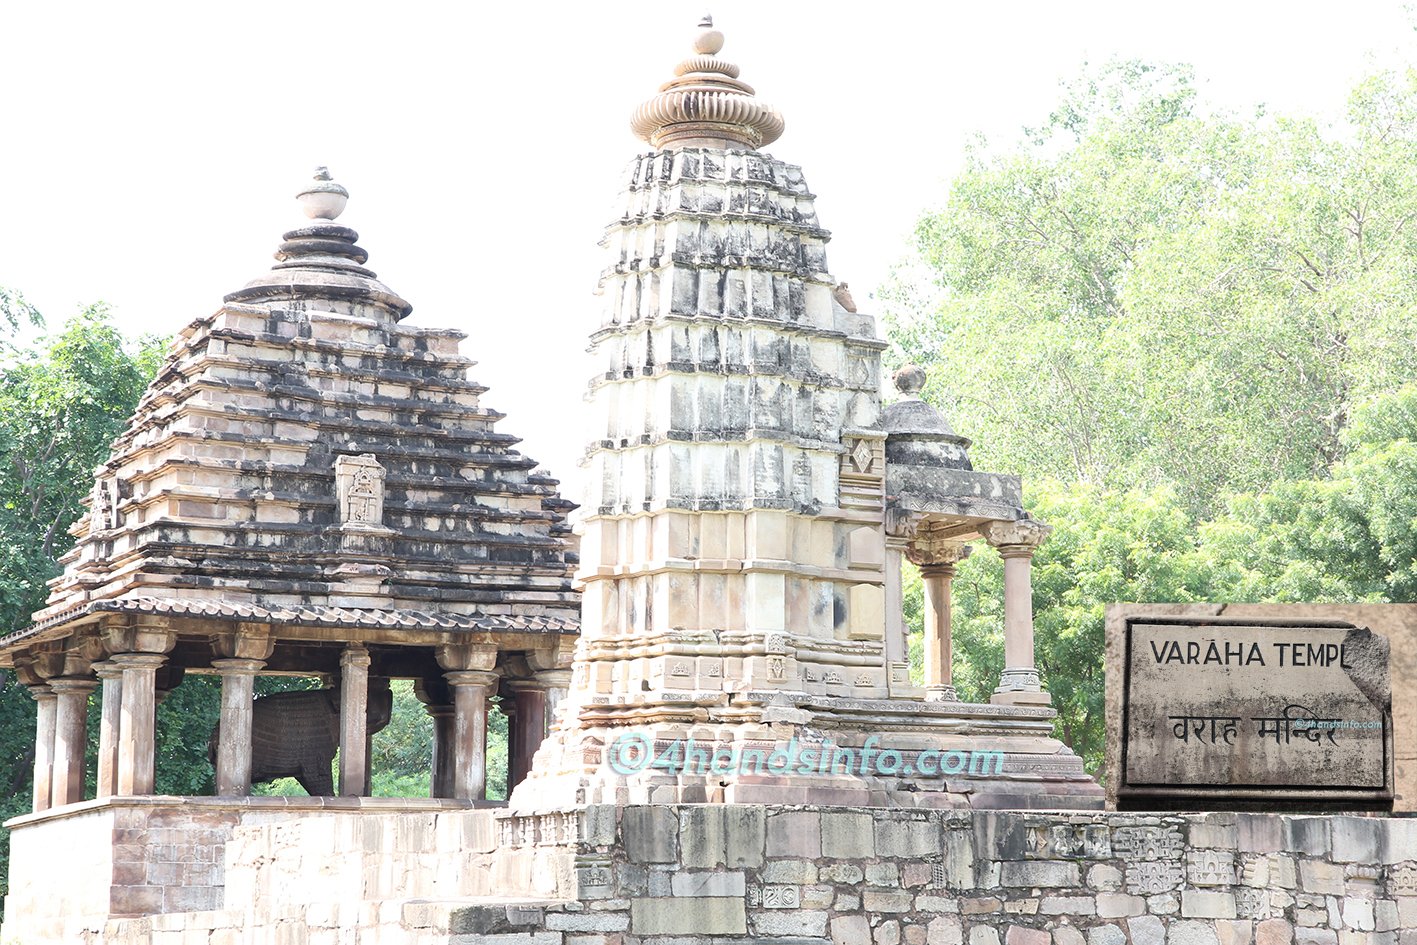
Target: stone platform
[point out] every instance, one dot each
(695, 875)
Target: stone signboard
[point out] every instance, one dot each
(1287, 711)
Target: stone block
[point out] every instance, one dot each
(1067, 905)
(1027, 906)
(696, 884)
(983, 935)
(1192, 933)
(882, 874)
(1104, 877)
(1234, 931)
(1385, 915)
(1163, 904)
(1274, 932)
(1304, 936)
(907, 838)
(1358, 914)
(1200, 904)
(1018, 935)
(1358, 839)
(886, 900)
(650, 834)
(795, 922)
(1308, 835)
(1146, 930)
(915, 875)
(980, 905)
(850, 930)
(842, 874)
(1039, 873)
(587, 922)
(848, 836)
(1106, 935)
(946, 930)
(927, 903)
(1119, 905)
(795, 834)
(1213, 835)
(887, 933)
(1068, 935)
(1316, 876)
(790, 871)
(709, 915)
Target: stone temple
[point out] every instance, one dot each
(715, 733)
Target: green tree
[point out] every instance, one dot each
(1148, 294)
(63, 398)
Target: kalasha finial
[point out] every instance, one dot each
(324, 199)
(910, 381)
(706, 105)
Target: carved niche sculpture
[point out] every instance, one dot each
(296, 734)
(359, 481)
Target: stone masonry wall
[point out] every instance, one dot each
(713, 875)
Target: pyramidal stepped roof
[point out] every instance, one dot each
(301, 452)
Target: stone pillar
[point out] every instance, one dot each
(110, 722)
(470, 691)
(1016, 542)
(137, 721)
(442, 780)
(557, 683)
(354, 721)
(45, 702)
(70, 738)
(233, 759)
(937, 570)
(528, 728)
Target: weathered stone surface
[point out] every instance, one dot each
(1191, 933)
(850, 930)
(692, 884)
(1200, 904)
(1067, 905)
(1146, 930)
(1019, 935)
(847, 836)
(1117, 905)
(803, 922)
(795, 834)
(1316, 876)
(1068, 935)
(1274, 932)
(1106, 935)
(945, 930)
(1040, 873)
(651, 835)
(688, 916)
(983, 935)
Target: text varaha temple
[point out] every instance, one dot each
(311, 487)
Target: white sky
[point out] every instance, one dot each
(151, 152)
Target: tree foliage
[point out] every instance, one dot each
(1146, 294)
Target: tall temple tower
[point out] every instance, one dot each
(741, 587)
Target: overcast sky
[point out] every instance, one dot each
(151, 153)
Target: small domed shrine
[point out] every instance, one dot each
(308, 487)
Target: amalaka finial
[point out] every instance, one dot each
(910, 381)
(709, 41)
(324, 199)
(706, 105)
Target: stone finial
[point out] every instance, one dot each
(324, 199)
(910, 381)
(706, 105)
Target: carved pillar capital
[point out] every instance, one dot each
(933, 554)
(455, 657)
(1016, 539)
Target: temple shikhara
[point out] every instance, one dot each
(312, 488)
